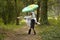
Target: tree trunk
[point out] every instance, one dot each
(10, 12)
(44, 17)
(17, 19)
(38, 11)
(4, 16)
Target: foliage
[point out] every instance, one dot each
(1, 37)
(8, 11)
(10, 27)
(50, 32)
(53, 7)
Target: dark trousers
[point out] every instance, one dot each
(32, 26)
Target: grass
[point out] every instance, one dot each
(1, 37)
(10, 27)
(50, 32)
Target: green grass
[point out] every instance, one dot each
(10, 27)
(1, 37)
(50, 32)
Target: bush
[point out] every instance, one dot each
(1, 37)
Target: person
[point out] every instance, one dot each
(32, 23)
(31, 20)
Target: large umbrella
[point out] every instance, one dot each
(30, 8)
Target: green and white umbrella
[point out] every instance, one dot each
(30, 8)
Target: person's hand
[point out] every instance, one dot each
(38, 23)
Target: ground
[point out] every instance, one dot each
(22, 34)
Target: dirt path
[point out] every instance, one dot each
(21, 34)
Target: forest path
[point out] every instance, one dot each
(22, 34)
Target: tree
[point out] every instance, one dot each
(44, 17)
(17, 19)
(11, 11)
(4, 13)
(38, 10)
(8, 13)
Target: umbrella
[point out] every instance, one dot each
(30, 8)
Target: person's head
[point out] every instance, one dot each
(31, 13)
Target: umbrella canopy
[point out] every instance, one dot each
(30, 8)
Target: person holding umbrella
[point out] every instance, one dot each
(30, 9)
(32, 23)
